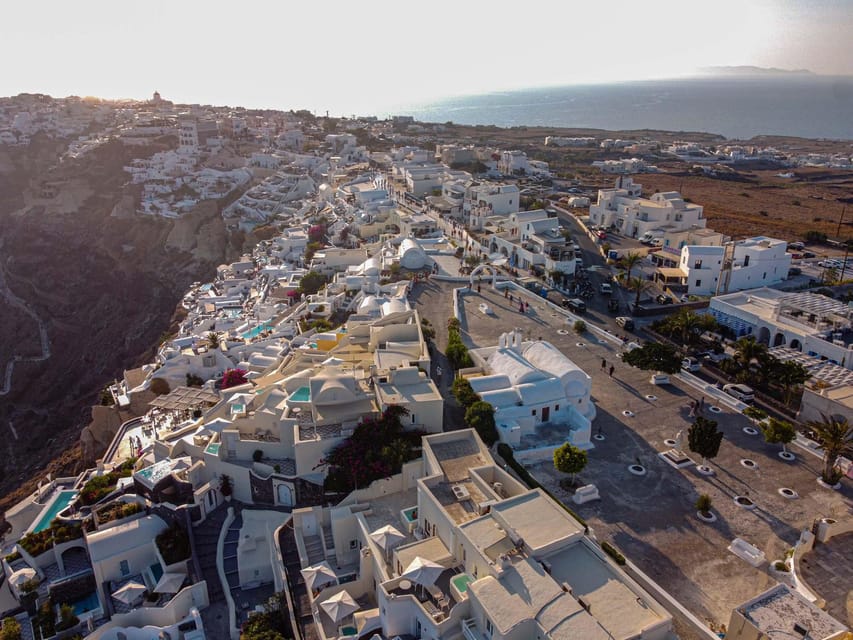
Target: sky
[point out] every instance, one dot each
(367, 57)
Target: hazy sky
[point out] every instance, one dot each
(365, 57)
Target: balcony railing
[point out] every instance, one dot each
(470, 630)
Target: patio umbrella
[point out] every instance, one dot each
(170, 583)
(422, 571)
(129, 593)
(22, 576)
(319, 575)
(339, 606)
(387, 536)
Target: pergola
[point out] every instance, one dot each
(185, 398)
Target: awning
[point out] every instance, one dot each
(423, 572)
(339, 606)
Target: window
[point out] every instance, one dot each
(353, 544)
(124, 567)
(556, 407)
(697, 264)
(489, 628)
(746, 261)
(764, 276)
(533, 413)
(698, 283)
(413, 418)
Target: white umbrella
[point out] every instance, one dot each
(129, 593)
(387, 536)
(170, 583)
(22, 576)
(423, 572)
(339, 606)
(319, 575)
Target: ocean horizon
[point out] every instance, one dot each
(806, 106)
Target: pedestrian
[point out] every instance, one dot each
(510, 298)
(603, 363)
(506, 292)
(521, 307)
(701, 405)
(611, 370)
(438, 372)
(478, 288)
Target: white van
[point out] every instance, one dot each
(740, 391)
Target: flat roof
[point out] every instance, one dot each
(776, 611)
(537, 519)
(456, 457)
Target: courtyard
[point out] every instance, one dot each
(652, 518)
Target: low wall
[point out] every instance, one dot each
(803, 546)
(220, 547)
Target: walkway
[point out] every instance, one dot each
(206, 535)
(828, 571)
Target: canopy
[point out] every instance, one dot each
(387, 536)
(339, 606)
(170, 583)
(130, 592)
(319, 575)
(423, 572)
(22, 576)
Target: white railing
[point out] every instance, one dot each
(470, 630)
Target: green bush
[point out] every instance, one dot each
(258, 455)
(610, 550)
(481, 416)
(463, 392)
(11, 629)
(579, 326)
(174, 544)
(703, 504)
(159, 386)
(780, 565)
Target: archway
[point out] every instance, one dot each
(779, 340)
(285, 495)
(763, 335)
(795, 344)
(479, 269)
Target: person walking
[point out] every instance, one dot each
(612, 368)
(603, 363)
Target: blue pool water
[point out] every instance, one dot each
(302, 394)
(60, 502)
(88, 603)
(213, 448)
(256, 331)
(411, 514)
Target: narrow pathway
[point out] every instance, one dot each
(17, 302)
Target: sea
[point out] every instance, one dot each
(806, 106)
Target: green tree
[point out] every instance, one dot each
(629, 261)
(703, 504)
(704, 439)
(654, 356)
(748, 352)
(312, 282)
(159, 386)
(481, 417)
(779, 432)
(835, 434)
(579, 326)
(570, 459)
(638, 285)
(790, 375)
(212, 339)
(463, 392)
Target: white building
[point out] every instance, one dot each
(500, 199)
(807, 322)
(527, 240)
(454, 547)
(530, 384)
(624, 209)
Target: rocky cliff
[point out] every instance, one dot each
(77, 264)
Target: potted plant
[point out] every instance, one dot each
(703, 508)
(226, 487)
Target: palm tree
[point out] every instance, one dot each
(629, 261)
(747, 351)
(639, 285)
(790, 374)
(836, 436)
(212, 338)
(685, 323)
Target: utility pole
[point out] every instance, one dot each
(840, 220)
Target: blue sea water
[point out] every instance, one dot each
(740, 107)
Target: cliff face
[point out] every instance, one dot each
(99, 281)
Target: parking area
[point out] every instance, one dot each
(652, 518)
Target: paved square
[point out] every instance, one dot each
(652, 519)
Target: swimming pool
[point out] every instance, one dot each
(59, 503)
(213, 448)
(302, 394)
(256, 331)
(87, 603)
(461, 582)
(411, 514)
(156, 472)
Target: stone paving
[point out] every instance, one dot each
(828, 570)
(652, 518)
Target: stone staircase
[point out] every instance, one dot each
(314, 549)
(206, 535)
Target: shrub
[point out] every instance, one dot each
(174, 544)
(703, 504)
(11, 629)
(780, 565)
(194, 380)
(159, 386)
(569, 459)
(481, 416)
(233, 378)
(579, 326)
(463, 392)
(226, 485)
(67, 619)
(610, 550)
(258, 455)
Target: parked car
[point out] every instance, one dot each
(625, 322)
(808, 254)
(690, 364)
(796, 245)
(575, 304)
(740, 391)
(794, 271)
(605, 288)
(613, 305)
(663, 299)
